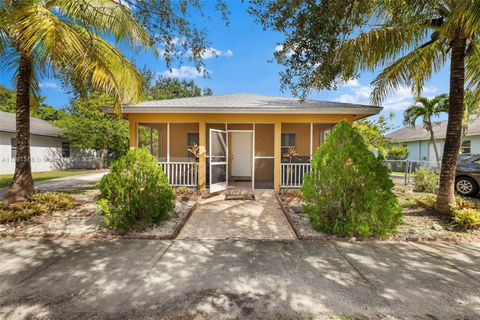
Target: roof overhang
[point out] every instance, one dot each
(367, 111)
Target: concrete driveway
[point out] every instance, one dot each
(217, 218)
(228, 279)
(65, 183)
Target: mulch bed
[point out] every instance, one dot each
(419, 223)
(84, 221)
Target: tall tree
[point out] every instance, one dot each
(87, 127)
(426, 109)
(64, 36)
(328, 41)
(160, 88)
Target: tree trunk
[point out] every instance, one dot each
(432, 140)
(22, 184)
(446, 191)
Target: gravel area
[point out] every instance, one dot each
(85, 221)
(419, 223)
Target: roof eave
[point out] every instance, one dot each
(271, 110)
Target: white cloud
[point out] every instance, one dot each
(211, 52)
(279, 47)
(184, 72)
(356, 92)
(49, 85)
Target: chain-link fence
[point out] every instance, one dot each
(402, 170)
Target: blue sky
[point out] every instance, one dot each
(244, 64)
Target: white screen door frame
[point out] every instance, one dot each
(219, 160)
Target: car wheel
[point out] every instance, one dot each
(466, 186)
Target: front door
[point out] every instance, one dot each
(218, 160)
(241, 145)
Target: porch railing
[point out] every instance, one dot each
(293, 174)
(181, 174)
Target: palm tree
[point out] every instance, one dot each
(406, 41)
(62, 37)
(412, 40)
(426, 108)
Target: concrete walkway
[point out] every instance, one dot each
(216, 218)
(65, 183)
(230, 279)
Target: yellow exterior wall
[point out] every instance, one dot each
(203, 119)
(179, 140)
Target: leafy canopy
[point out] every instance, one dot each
(160, 88)
(86, 126)
(65, 37)
(329, 41)
(373, 133)
(39, 109)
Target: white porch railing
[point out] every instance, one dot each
(181, 174)
(293, 173)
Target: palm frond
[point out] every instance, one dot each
(376, 47)
(108, 16)
(411, 70)
(464, 19)
(472, 70)
(77, 51)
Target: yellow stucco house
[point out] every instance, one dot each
(242, 139)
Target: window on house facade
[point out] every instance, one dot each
(65, 149)
(13, 148)
(466, 147)
(288, 141)
(192, 139)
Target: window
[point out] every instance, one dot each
(192, 139)
(13, 148)
(65, 149)
(466, 147)
(288, 141)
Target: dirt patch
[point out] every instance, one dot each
(420, 223)
(85, 221)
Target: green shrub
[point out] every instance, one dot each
(52, 201)
(136, 190)
(36, 204)
(466, 218)
(349, 191)
(425, 180)
(426, 201)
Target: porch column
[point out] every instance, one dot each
(132, 126)
(278, 155)
(202, 163)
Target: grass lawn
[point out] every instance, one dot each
(5, 179)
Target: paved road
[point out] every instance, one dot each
(65, 183)
(213, 279)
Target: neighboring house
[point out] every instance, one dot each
(417, 140)
(48, 150)
(242, 138)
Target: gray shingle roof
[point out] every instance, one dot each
(37, 126)
(439, 130)
(247, 103)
